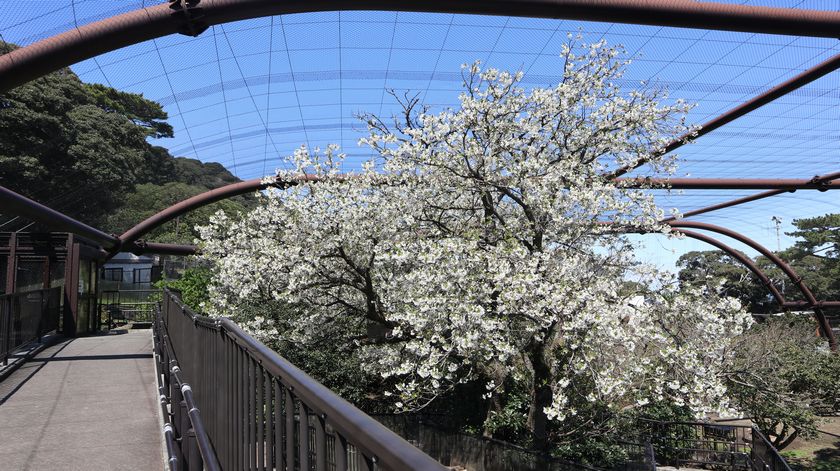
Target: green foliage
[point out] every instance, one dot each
(192, 285)
(592, 451)
(509, 423)
(827, 459)
(204, 174)
(816, 256)
(80, 148)
(784, 378)
(140, 111)
(716, 268)
(340, 372)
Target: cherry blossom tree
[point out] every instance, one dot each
(477, 246)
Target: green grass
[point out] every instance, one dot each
(816, 459)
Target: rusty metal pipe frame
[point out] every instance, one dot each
(70, 47)
(780, 184)
(189, 204)
(257, 184)
(812, 302)
(18, 204)
(203, 199)
(819, 179)
(765, 280)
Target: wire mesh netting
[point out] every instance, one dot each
(246, 94)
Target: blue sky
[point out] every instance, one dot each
(246, 94)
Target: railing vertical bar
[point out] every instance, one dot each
(278, 426)
(366, 462)
(243, 391)
(252, 412)
(226, 400)
(237, 406)
(320, 444)
(340, 452)
(260, 417)
(290, 429)
(303, 435)
(269, 421)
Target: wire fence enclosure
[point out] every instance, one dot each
(255, 406)
(26, 317)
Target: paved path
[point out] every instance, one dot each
(84, 404)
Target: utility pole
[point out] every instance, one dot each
(778, 221)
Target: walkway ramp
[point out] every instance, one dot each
(84, 404)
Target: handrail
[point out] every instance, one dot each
(248, 430)
(777, 463)
(390, 450)
(197, 433)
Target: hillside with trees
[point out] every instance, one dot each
(82, 149)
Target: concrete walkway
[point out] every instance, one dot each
(84, 404)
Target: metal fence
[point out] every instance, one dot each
(256, 406)
(733, 447)
(124, 306)
(27, 316)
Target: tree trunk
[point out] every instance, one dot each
(540, 398)
(494, 405)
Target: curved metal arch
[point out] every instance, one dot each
(130, 239)
(765, 280)
(179, 16)
(156, 220)
(825, 327)
(134, 234)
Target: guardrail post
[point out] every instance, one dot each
(6, 325)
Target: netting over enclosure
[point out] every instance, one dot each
(246, 94)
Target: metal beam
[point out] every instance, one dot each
(825, 327)
(141, 247)
(747, 199)
(208, 197)
(189, 204)
(70, 47)
(18, 204)
(256, 184)
(780, 184)
(780, 90)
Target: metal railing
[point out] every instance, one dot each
(188, 446)
(124, 306)
(735, 447)
(764, 456)
(26, 317)
(257, 406)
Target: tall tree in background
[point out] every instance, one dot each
(717, 269)
(82, 149)
(815, 257)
